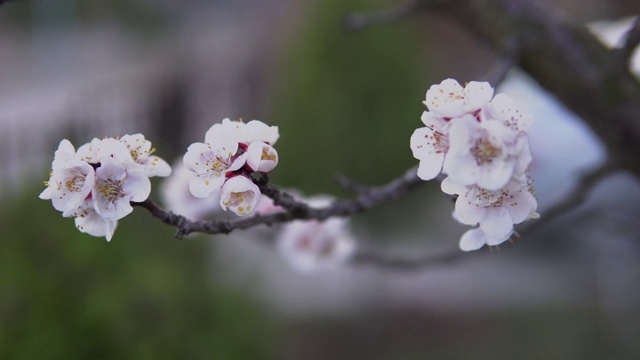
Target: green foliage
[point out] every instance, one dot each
(347, 101)
(145, 295)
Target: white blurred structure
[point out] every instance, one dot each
(102, 80)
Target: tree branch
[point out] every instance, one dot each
(294, 208)
(632, 41)
(576, 197)
(562, 57)
(498, 72)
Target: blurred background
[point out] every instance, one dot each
(345, 102)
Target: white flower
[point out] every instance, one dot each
(97, 183)
(429, 145)
(240, 195)
(261, 157)
(65, 153)
(90, 222)
(495, 211)
(72, 185)
(98, 149)
(484, 153)
(503, 109)
(211, 161)
(140, 150)
(115, 187)
(112, 148)
(177, 196)
(448, 99)
(476, 238)
(254, 130)
(90, 152)
(70, 182)
(314, 245)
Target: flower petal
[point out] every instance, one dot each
(451, 187)
(430, 166)
(201, 186)
(496, 222)
(472, 240)
(495, 175)
(521, 206)
(155, 166)
(240, 195)
(467, 212)
(477, 94)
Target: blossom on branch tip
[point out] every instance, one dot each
(231, 152)
(211, 161)
(476, 238)
(177, 196)
(484, 153)
(72, 185)
(240, 195)
(429, 145)
(87, 220)
(141, 150)
(250, 132)
(70, 181)
(480, 142)
(495, 211)
(97, 183)
(261, 157)
(115, 187)
(449, 99)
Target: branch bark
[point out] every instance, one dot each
(294, 208)
(565, 59)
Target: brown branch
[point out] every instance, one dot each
(498, 72)
(575, 198)
(294, 208)
(351, 185)
(561, 56)
(367, 199)
(631, 42)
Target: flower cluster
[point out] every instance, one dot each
(230, 152)
(96, 183)
(481, 143)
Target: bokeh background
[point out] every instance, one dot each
(346, 102)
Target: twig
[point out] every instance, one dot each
(359, 21)
(419, 262)
(294, 209)
(364, 201)
(498, 72)
(351, 185)
(631, 42)
(575, 198)
(405, 263)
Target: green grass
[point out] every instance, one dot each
(145, 295)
